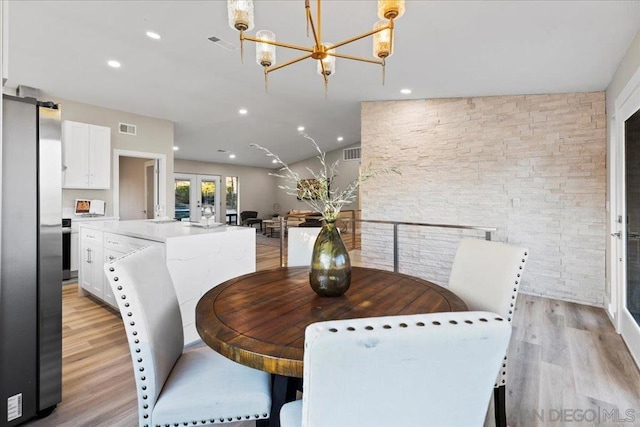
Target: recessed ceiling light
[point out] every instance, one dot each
(300, 128)
(243, 111)
(274, 161)
(153, 35)
(113, 64)
(232, 156)
(175, 148)
(340, 139)
(405, 91)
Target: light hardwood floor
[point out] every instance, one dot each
(562, 357)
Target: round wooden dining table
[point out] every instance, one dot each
(259, 319)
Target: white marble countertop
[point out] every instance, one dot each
(159, 231)
(78, 218)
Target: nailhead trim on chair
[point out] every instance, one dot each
(144, 408)
(502, 379)
(417, 324)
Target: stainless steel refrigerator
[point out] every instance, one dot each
(31, 261)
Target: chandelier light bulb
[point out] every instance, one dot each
(382, 44)
(265, 53)
(240, 13)
(329, 62)
(390, 9)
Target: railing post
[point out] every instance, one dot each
(395, 248)
(282, 231)
(353, 229)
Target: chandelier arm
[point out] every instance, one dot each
(383, 71)
(307, 9)
(355, 58)
(390, 37)
(319, 16)
(316, 39)
(293, 61)
(277, 43)
(361, 36)
(242, 46)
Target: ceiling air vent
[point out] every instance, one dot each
(223, 43)
(127, 129)
(351, 154)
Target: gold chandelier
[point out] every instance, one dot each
(241, 18)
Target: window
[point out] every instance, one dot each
(232, 198)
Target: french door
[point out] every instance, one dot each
(626, 234)
(194, 192)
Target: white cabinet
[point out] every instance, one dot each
(90, 274)
(75, 240)
(86, 155)
(4, 39)
(99, 248)
(109, 256)
(74, 251)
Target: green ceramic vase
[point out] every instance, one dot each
(330, 274)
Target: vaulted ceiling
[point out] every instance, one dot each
(443, 49)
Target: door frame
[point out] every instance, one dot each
(626, 104)
(162, 176)
(147, 165)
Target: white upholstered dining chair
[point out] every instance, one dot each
(177, 386)
(300, 241)
(487, 276)
(415, 370)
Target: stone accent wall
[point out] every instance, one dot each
(532, 165)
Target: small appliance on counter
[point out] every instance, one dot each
(86, 207)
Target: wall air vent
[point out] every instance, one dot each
(351, 154)
(127, 129)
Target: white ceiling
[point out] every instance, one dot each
(443, 49)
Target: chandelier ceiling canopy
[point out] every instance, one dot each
(241, 18)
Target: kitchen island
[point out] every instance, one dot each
(198, 258)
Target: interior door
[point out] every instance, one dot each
(192, 192)
(150, 187)
(630, 320)
(628, 233)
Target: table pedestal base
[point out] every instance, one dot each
(283, 391)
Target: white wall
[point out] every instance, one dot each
(153, 135)
(531, 165)
(347, 172)
(257, 189)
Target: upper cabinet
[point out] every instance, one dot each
(4, 40)
(86, 155)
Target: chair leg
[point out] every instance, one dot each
(499, 403)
